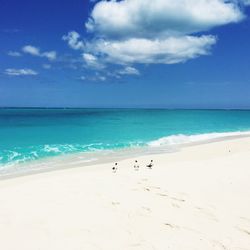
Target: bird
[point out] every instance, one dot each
(115, 167)
(136, 166)
(150, 165)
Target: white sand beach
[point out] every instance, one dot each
(195, 199)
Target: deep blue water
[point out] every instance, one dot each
(27, 134)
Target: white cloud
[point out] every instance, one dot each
(31, 50)
(73, 39)
(14, 53)
(129, 71)
(20, 72)
(165, 51)
(92, 61)
(147, 18)
(51, 55)
(128, 32)
(34, 51)
(89, 59)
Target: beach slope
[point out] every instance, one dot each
(198, 198)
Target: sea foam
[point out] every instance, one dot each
(184, 139)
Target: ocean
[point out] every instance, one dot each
(31, 134)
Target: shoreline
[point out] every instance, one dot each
(195, 198)
(76, 160)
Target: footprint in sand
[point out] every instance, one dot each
(172, 226)
(115, 203)
(162, 194)
(177, 199)
(153, 187)
(172, 198)
(244, 230)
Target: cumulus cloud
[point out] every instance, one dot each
(166, 51)
(20, 72)
(31, 50)
(92, 61)
(129, 71)
(73, 39)
(14, 53)
(51, 55)
(147, 18)
(128, 32)
(34, 51)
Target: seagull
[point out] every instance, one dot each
(150, 165)
(136, 166)
(115, 168)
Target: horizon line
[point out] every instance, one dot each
(152, 108)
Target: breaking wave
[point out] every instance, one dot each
(184, 139)
(21, 155)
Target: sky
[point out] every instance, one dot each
(127, 53)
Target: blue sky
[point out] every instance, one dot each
(162, 53)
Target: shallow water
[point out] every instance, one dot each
(31, 134)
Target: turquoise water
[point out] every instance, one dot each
(29, 134)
